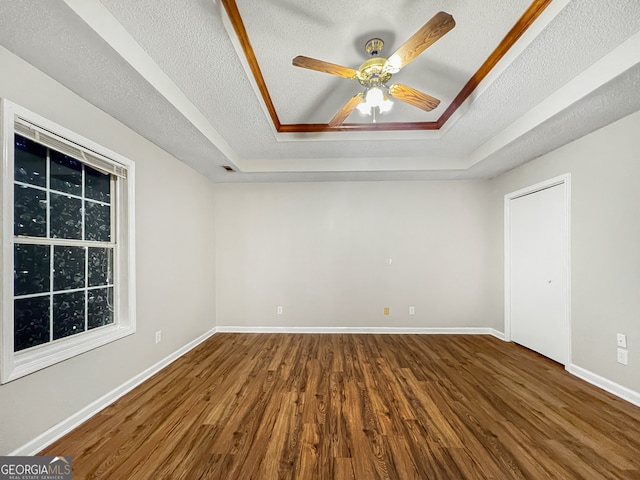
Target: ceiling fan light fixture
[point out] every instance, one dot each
(374, 97)
(385, 105)
(364, 108)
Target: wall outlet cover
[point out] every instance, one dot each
(623, 356)
(622, 340)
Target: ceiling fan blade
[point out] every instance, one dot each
(326, 67)
(346, 110)
(428, 34)
(413, 97)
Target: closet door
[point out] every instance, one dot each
(538, 232)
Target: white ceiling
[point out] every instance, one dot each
(174, 72)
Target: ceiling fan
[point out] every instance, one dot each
(375, 73)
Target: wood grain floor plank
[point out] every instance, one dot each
(359, 407)
(343, 469)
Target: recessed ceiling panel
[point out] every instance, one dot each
(336, 31)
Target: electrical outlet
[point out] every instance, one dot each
(622, 356)
(158, 336)
(386, 310)
(279, 310)
(412, 310)
(622, 340)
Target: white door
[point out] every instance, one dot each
(538, 232)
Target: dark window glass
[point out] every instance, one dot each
(97, 185)
(68, 314)
(30, 162)
(97, 220)
(66, 174)
(66, 217)
(68, 267)
(100, 307)
(31, 325)
(30, 212)
(31, 269)
(100, 266)
(75, 200)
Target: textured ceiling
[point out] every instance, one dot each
(441, 71)
(174, 72)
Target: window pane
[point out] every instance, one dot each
(66, 174)
(97, 222)
(31, 267)
(100, 266)
(30, 212)
(31, 322)
(66, 217)
(68, 267)
(100, 307)
(68, 314)
(30, 162)
(97, 185)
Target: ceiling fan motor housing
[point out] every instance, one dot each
(373, 73)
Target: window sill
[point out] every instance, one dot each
(38, 358)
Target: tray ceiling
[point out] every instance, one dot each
(449, 70)
(515, 78)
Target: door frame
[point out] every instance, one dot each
(552, 182)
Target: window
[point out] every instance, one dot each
(67, 236)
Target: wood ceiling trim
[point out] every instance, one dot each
(524, 22)
(521, 26)
(356, 127)
(238, 25)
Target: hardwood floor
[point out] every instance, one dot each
(272, 406)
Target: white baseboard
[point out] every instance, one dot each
(64, 427)
(498, 334)
(379, 330)
(616, 389)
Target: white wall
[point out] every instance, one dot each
(175, 264)
(605, 242)
(322, 250)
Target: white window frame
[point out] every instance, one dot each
(17, 364)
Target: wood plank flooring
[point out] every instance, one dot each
(366, 407)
